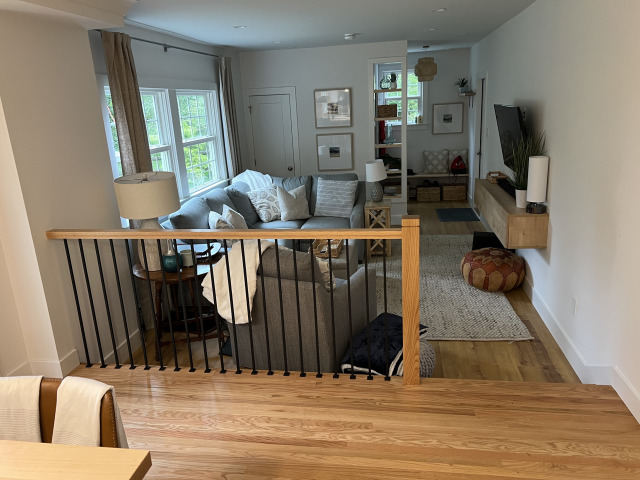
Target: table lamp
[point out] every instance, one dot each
(146, 196)
(375, 174)
(537, 184)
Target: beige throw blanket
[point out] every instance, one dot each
(20, 408)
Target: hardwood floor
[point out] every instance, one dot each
(230, 426)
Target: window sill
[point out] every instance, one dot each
(199, 193)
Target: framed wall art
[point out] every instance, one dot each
(335, 152)
(333, 107)
(447, 117)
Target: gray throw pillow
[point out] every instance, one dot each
(335, 198)
(237, 192)
(293, 204)
(233, 218)
(194, 214)
(265, 202)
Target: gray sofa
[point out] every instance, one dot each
(240, 335)
(194, 214)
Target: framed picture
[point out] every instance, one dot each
(335, 152)
(447, 117)
(333, 107)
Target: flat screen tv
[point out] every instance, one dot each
(511, 128)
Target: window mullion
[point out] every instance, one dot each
(180, 167)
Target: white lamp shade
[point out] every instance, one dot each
(537, 179)
(376, 171)
(147, 195)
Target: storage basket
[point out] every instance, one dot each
(386, 111)
(428, 194)
(320, 248)
(494, 176)
(454, 192)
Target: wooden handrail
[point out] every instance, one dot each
(236, 234)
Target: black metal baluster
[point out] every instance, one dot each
(246, 293)
(233, 315)
(386, 318)
(333, 316)
(184, 304)
(353, 375)
(215, 311)
(366, 287)
(315, 308)
(199, 307)
(124, 315)
(295, 279)
(78, 309)
(165, 288)
(284, 337)
(93, 308)
(264, 307)
(151, 302)
(141, 328)
(106, 305)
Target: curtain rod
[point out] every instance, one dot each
(167, 47)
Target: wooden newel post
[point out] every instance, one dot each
(411, 298)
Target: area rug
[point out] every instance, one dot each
(450, 308)
(456, 215)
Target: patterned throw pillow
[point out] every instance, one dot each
(233, 218)
(335, 198)
(436, 161)
(293, 204)
(217, 222)
(265, 202)
(464, 153)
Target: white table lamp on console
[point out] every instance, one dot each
(537, 184)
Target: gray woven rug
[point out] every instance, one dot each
(450, 308)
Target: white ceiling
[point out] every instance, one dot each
(280, 24)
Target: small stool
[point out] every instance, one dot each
(493, 269)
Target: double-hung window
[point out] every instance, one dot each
(414, 97)
(185, 136)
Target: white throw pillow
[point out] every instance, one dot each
(293, 204)
(233, 218)
(217, 222)
(265, 202)
(464, 153)
(436, 161)
(335, 198)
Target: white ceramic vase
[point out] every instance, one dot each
(521, 198)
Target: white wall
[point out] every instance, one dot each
(574, 65)
(308, 69)
(452, 64)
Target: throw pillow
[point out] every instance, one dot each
(217, 222)
(265, 202)
(238, 195)
(464, 153)
(233, 218)
(436, 161)
(192, 215)
(335, 198)
(293, 204)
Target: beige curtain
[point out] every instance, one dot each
(229, 118)
(127, 104)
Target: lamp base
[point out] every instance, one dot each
(536, 208)
(154, 263)
(376, 192)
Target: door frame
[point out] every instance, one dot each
(293, 105)
(479, 133)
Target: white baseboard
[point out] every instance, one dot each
(123, 351)
(22, 370)
(70, 361)
(626, 391)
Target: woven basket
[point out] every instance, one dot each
(320, 248)
(428, 194)
(385, 111)
(494, 176)
(454, 192)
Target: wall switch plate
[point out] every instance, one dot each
(574, 304)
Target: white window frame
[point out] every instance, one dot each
(384, 70)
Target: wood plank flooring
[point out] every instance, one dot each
(238, 427)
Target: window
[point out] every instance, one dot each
(414, 97)
(184, 136)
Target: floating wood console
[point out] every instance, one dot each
(513, 226)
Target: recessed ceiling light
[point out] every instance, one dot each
(349, 36)
(438, 10)
(462, 34)
(239, 26)
(432, 29)
(278, 41)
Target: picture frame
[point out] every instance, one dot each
(332, 107)
(447, 118)
(335, 151)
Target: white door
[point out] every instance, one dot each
(272, 134)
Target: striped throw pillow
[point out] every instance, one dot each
(335, 198)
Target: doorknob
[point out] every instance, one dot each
(290, 168)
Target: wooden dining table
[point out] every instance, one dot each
(28, 460)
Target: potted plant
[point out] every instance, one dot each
(524, 148)
(393, 78)
(462, 84)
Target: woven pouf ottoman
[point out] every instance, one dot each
(493, 269)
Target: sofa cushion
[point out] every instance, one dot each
(291, 183)
(194, 214)
(233, 218)
(238, 195)
(217, 222)
(265, 202)
(326, 222)
(280, 224)
(294, 204)
(329, 176)
(217, 198)
(303, 264)
(436, 161)
(335, 198)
